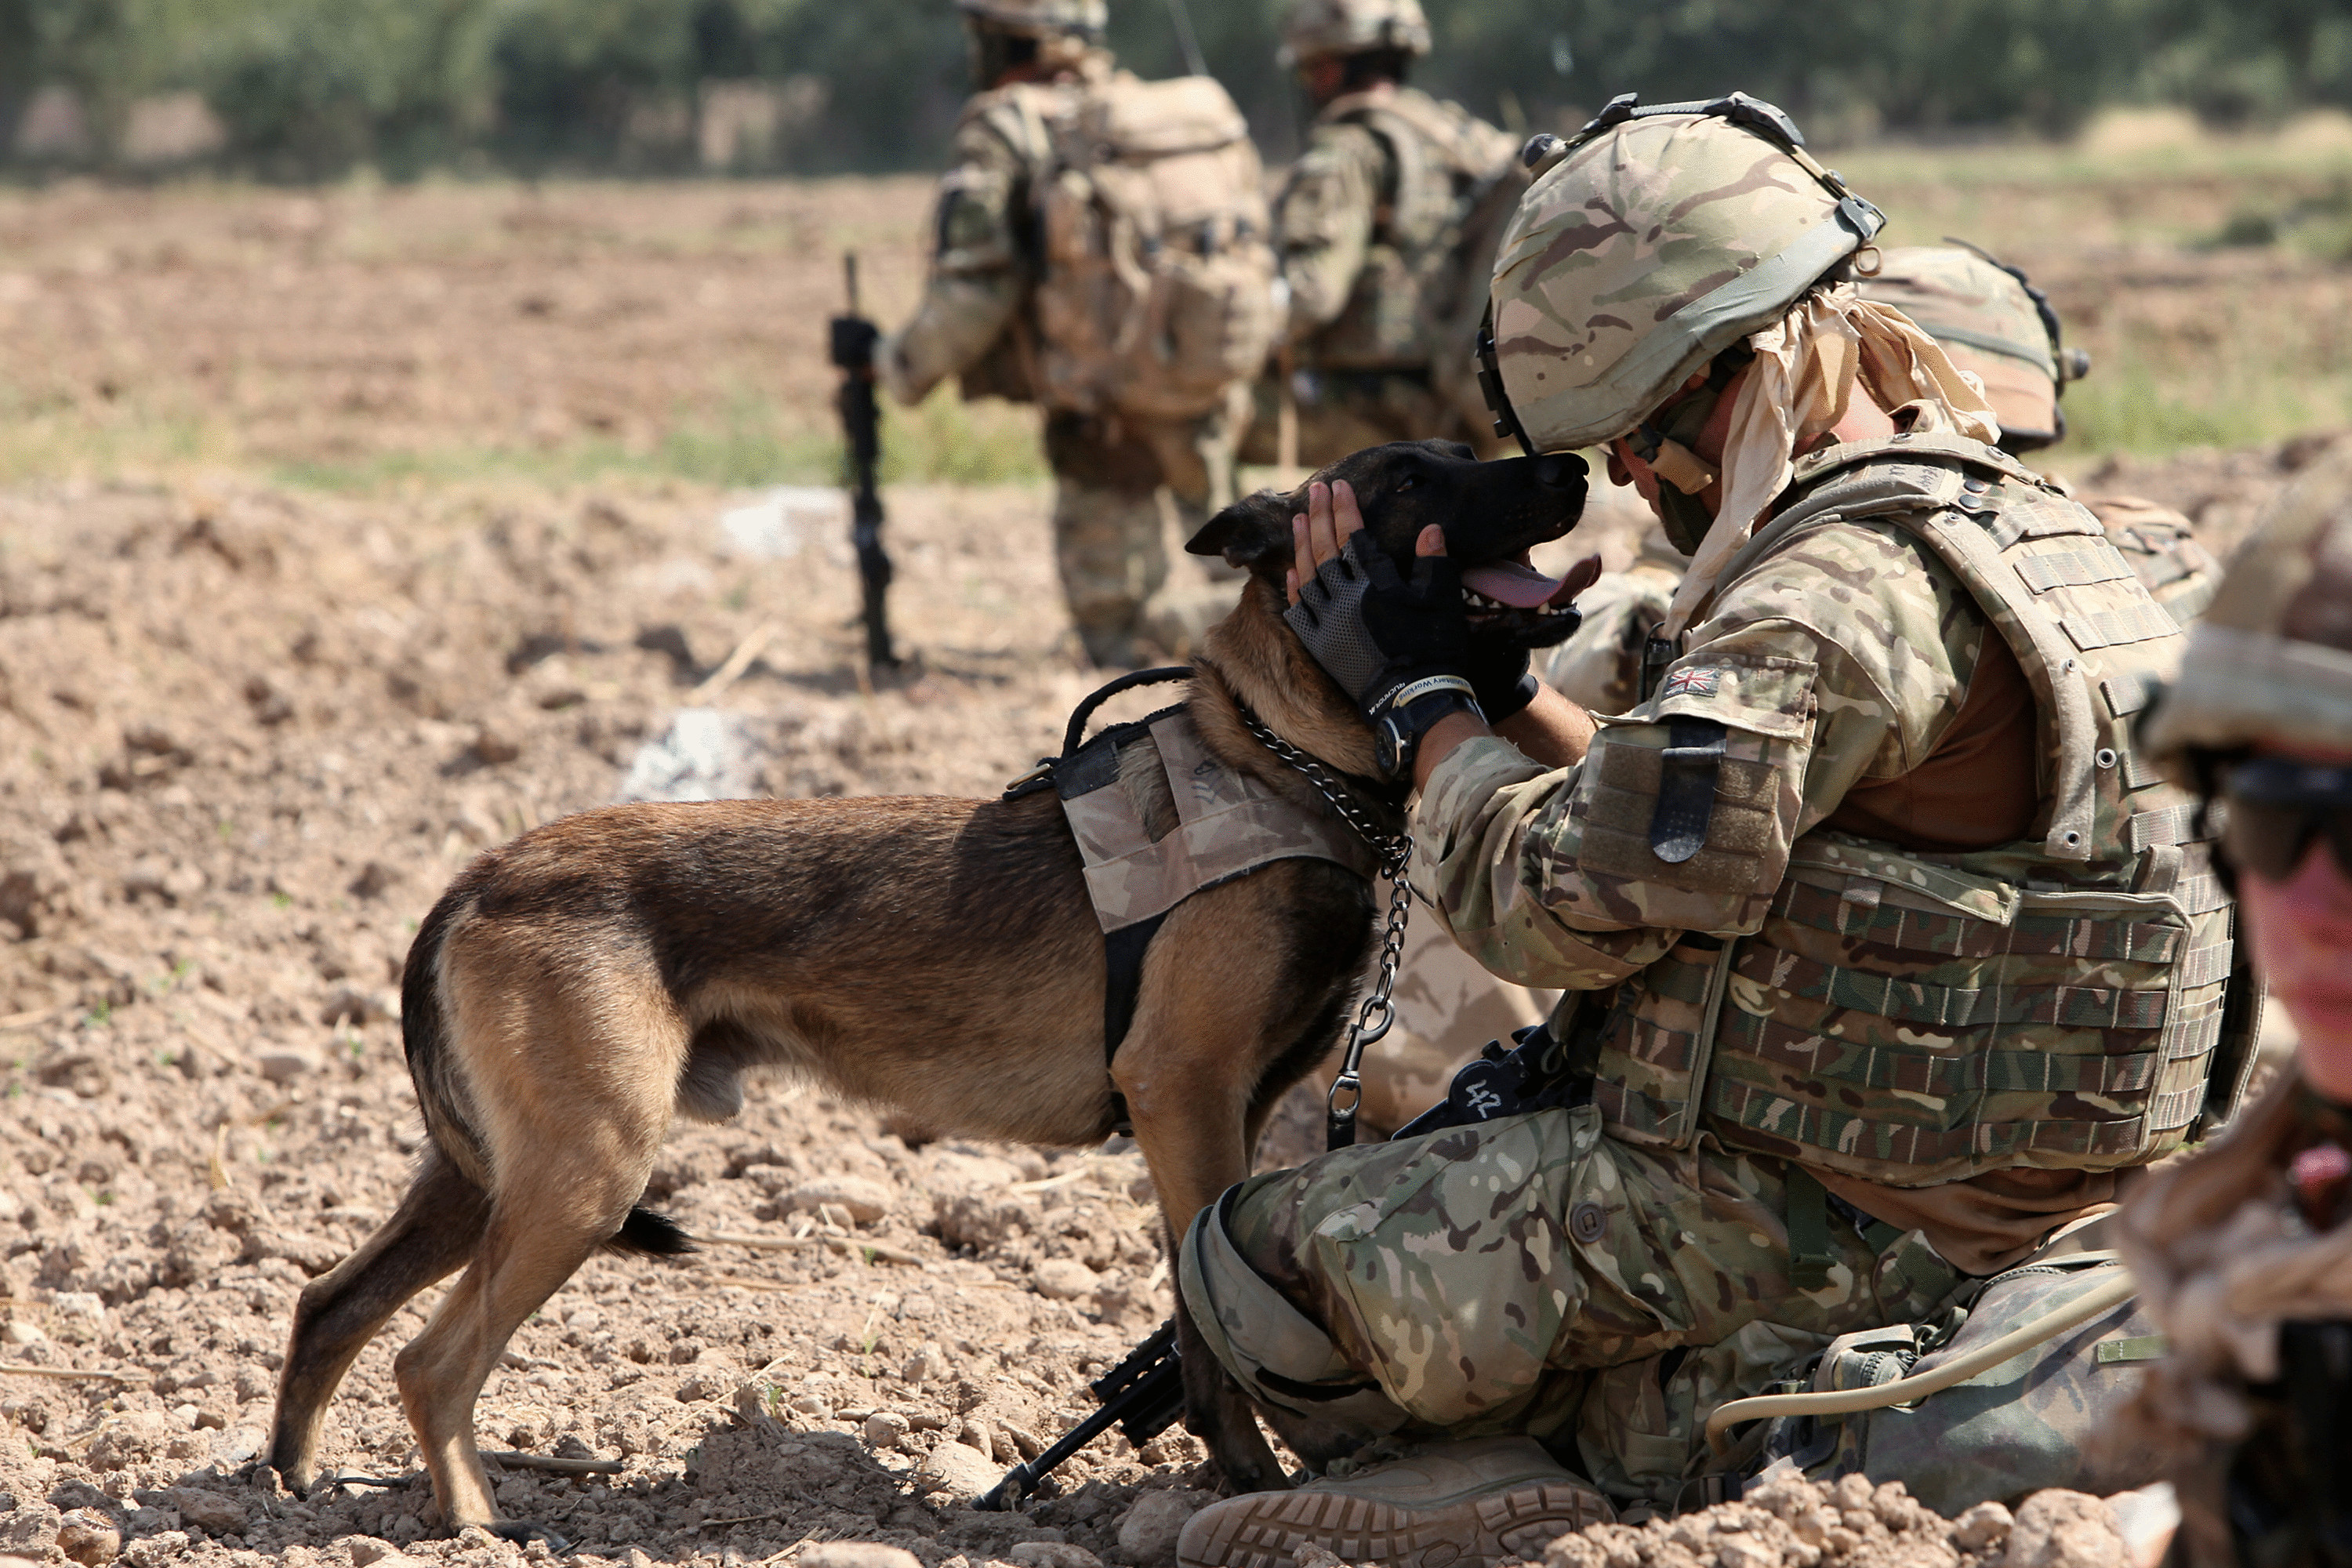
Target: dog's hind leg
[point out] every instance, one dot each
(431, 1233)
(564, 1199)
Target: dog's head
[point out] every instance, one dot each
(1493, 514)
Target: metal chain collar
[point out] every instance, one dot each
(1377, 1014)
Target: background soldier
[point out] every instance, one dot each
(1386, 229)
(1825, 904)
(1995, 324)
(1012, 308)
(2243, 1252)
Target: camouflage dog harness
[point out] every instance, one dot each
(1157, 819)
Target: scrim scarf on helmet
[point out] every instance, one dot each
(1800, 385)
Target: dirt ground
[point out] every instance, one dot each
(248, 730)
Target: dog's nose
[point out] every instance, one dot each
(1561, 470)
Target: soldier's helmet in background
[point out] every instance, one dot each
(1649, 242)
(1991, 321)
(1313, 27)
(1038, 19)
(2271, 661)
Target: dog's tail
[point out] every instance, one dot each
(441, 1090)
(649, 1234)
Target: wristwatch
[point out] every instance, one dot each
(1411, 712)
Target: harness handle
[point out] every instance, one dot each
(1073, 737)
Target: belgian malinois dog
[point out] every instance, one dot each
(577, 988)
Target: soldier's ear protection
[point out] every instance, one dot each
(1544, 153)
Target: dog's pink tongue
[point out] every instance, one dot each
(1513, 583)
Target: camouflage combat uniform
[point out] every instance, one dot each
(1370, 229)
(977, 320)
(1761, 998)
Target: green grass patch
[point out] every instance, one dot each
(748, 442)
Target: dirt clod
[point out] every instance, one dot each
(2063, 1529)
(89, 1538)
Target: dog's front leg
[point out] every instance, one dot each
(1218, 1413)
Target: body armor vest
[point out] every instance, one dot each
(1441, 162)
(1911, 1018)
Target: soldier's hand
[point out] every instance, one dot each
(1399, 645)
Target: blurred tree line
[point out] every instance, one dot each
(310, 89)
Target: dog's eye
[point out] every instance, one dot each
(1410, 482)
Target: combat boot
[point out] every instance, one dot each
(1450, 1505)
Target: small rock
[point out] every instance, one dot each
(285, 1064)
(1052, 1555)
(367, 1551)
(754, 1399)
(89, 1538)
(886, 1429)
(496, 747)
(16, 1331)
(856, 1554)
(1984, 1526)
(863, 1201)
(1147, 1536)
(1064, 1280)
(2059, 1528)
(168, 1550)
(357, 1005)
(236, 1445)
(209, 1511)
(959, 1471)
(1311, 1555)
(1740, 1550)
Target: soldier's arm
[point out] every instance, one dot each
(1323, 223)
(979, 269)
(1554, 878)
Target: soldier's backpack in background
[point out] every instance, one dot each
(1422, 290)
(1157, 287)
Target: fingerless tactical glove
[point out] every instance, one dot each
(1400, 647)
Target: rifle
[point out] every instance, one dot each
(1143, 1396)
(854, 338)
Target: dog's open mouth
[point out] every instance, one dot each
(1512, 597)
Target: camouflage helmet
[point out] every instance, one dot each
(1651, 241)
(1312, 27)
(1040, 16)
(1991, 321)
(2271, 661)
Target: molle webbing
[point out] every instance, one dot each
(1225, 825)
(1916, 1018)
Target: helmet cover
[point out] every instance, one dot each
(1312, 27)
(1991, 323)
(1646, 247)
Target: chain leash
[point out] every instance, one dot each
(1377, 1014)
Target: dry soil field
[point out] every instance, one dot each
(342, 534)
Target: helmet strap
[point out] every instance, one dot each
(1669, 445)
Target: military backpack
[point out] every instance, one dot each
(1156, 293)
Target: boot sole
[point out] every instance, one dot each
(1473, 1533)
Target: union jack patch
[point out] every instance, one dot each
(1692, 683)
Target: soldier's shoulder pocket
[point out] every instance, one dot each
(1766, 694)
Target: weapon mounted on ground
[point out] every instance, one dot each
(854, 338)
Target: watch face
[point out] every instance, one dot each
(1390, 747)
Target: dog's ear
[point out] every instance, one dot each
(1251, 530)
(1461, 449)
